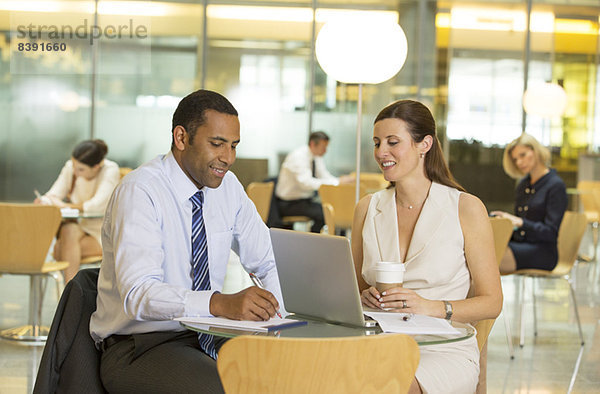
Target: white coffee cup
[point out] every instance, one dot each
(389, 275)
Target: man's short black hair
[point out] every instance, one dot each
(318, 136)
(190, 113)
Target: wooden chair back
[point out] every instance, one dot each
(26, 232)
(261, 193)
(590, 203)
(343, 199)
(329, 214)
(372, 181)
(570, 234)
(502, 229)
(260, 364)
(124, 171)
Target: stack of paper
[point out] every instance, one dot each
(406, 323)
(69, 212)
(274, 324)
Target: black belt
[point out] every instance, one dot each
(111, 340)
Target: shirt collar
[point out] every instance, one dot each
(183, 188)
(309, 152)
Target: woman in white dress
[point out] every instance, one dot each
(86, 183)
(442, 235)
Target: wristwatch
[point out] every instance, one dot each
(448, 307)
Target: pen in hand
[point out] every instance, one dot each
(37, 194)
(257, 282)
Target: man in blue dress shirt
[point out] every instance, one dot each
(146, 275)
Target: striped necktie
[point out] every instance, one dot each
(199, 273)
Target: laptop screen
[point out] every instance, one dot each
(317, 276)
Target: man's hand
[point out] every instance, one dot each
(249, 304)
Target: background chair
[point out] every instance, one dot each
(70, 362)
(329, 215)
(591, 209)
(570, 235)
(372, 181)
(124, 171)
(369, 364)
(261, 193)
(502, 230)
(343, 199)
(26, 232)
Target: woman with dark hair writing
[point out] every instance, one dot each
(86, 183)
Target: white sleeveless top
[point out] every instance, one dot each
(436, 267)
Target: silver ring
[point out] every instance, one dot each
(404, 306)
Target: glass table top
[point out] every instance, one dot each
(321, 329)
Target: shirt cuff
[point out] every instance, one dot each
(198, 303)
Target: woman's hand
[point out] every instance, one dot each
(515, 220)
(370, 297)
(400, 299)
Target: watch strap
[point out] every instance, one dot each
(448, 307)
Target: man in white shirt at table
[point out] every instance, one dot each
(171, 210)
(302, 173)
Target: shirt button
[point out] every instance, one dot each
(522, 233)
(532, 191)
(519, 209)
(525, 208)
(527, 191)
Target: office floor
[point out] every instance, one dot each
(552, 362)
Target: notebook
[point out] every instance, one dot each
(317, 277)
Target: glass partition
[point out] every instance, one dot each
(466, 61)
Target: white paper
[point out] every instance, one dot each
(415, 325)
(249, 325)
(69, 212)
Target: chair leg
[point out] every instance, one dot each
(59, 279)
(511, 349)
(576, 312)
(595, 240)
(521, 323)
(33, 332)
(535, 330)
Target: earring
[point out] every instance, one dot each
(421, 155)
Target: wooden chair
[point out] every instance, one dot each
(124, 171)
(591, 209)
(329, 215)
(367, 364)
(261, 193)
(343, 199)
(291, 220)
(502, 229)
(372, 181)
(570, 235)
(26, 232)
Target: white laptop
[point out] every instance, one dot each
(317, 277)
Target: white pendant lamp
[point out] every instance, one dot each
(362, 48)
